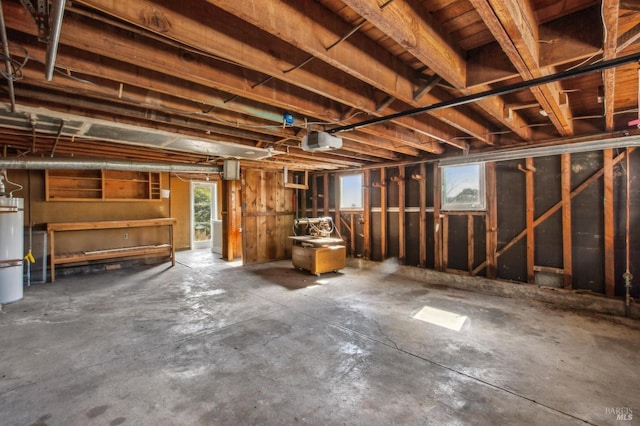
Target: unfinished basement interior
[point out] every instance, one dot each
(324, 212)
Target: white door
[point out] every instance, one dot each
(203, 215)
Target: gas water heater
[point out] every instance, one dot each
(11, 248)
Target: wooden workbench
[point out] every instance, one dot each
(110, 253)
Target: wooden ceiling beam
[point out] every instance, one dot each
(146, 119)
(145, 63)
(169, 107)
(556, 9)
(221, 76)
(514, 26)
(568, 40)
(630, 5)
(610, 16)
(401, 20)
(252, 50)
(628, 38)
(311, 27)
(85, 148)
(228, 39)
(159, 121)
(142, 98)
(413, 34)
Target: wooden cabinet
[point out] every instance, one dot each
(319, 260)
(106, 185)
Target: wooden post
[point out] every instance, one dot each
(52, 254)
(173, 247)
(228, 217)
(314, 196)
(567, 246)
(383, 213)
(303, 196)
(402, 238)
(337, 220)
(353, 234)
(470, 243)
(437, 231)
(492, 220)
(445, 242)
(423, 215)
(530, 218)
(325, 194)
(366, 251)
(609, 225)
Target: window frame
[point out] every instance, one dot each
(481, 183)
(340, 201)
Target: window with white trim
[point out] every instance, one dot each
(351, 192)
(463, 187)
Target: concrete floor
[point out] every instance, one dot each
(208, 342)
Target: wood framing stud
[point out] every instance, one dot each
(385, 103)
(426, 87)
(610, 16)
(445, 242)
(547, 214)
(530, 216)
(609, 225)
(470, 244)
(325, 207)
(383, 216)
(437, 222)
(567, 245)
(491, 221)
(423, 214)
(402, 238)
(366, 251)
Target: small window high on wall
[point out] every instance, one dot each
(351, 192)
(463, 187)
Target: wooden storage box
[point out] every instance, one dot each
(318, 260)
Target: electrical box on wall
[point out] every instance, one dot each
(320, 141)
(231, 170)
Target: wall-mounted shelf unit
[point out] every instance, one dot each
(102, 185)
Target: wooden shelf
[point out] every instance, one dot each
(104, 185)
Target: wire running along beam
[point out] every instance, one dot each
(463, 100)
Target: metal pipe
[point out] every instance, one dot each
(542, 151)
(63, 163)
(54, 37)
(463, 100)
(55, 144)
(7, 59)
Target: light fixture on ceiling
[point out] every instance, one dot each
(543, 113)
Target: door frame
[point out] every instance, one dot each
(214, 213)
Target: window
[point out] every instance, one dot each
(351, 191)
(463, 187)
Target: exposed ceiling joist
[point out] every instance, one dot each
(514, 26)
(610, 12)
(428, 77)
